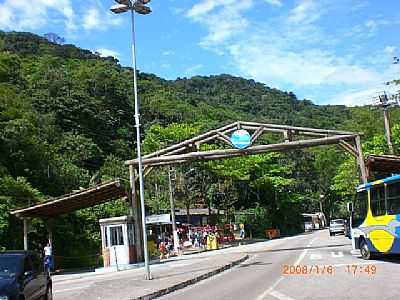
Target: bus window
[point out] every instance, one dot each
(393, 198)
(378, 201)
(360, 208)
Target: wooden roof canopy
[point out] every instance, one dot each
(98, 194)
(382, 165)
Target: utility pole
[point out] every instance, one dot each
(387, 130)
(383, 101)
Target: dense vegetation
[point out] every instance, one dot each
(66, 120)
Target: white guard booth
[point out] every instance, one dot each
(117, 236)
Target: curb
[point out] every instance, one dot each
(186, 283)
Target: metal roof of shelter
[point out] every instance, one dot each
(98, 194)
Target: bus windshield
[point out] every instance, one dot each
(360, 208)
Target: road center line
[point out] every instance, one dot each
(301, 257)
(269, 290)
(280, 296)
(304, 253)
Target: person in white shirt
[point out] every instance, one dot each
(47, 250)
(48, 259)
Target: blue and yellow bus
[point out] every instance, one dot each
(375, 217)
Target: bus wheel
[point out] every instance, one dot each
(364, 250)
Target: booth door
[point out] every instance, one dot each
(118, 250)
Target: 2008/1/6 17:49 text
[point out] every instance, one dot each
(328, 269)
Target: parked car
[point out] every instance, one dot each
(22, 276)
(336, 226)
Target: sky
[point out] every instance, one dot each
(327, 51)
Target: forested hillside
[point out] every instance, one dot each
(66, 121)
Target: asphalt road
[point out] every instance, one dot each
(312, 266)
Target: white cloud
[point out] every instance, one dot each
(23, 15)
(104, 52)
(168, 53)
(362, 96)
(94, 19)
(31, 15)
(91, 19)
(307, 12)
(274, 2)
(291, 51)
(262, 61)
(222, 18)
(193, 69)
(359, 6)
(369, 27)
(390, 50)
(206, 6)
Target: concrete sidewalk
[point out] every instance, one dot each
(168, 276)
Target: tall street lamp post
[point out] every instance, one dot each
(138, 6)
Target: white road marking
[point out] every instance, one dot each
(315, 256)
(280, 296)
(304, 253)
(55, 291)
(337, 255)
(269, 290)
(355, 252)
(300, 257)
(311, 242)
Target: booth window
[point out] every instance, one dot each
(116, 236)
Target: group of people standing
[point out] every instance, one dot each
(198, 237)
(165, 245)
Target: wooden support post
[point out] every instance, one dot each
(200, 138)
(257, 134)
(360, 158)
(172, 206)
(227, 153)
(26, 226)
(287, 135)
(223, 137)
(50, 231)
(135, 212)
(349, 148)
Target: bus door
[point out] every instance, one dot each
(380, 238)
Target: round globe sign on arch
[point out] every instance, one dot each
(241, 139)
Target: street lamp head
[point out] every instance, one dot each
(143, 1)
(119, 8)
(140, 8)
(124, 2)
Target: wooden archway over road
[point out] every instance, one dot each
(292, 138)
